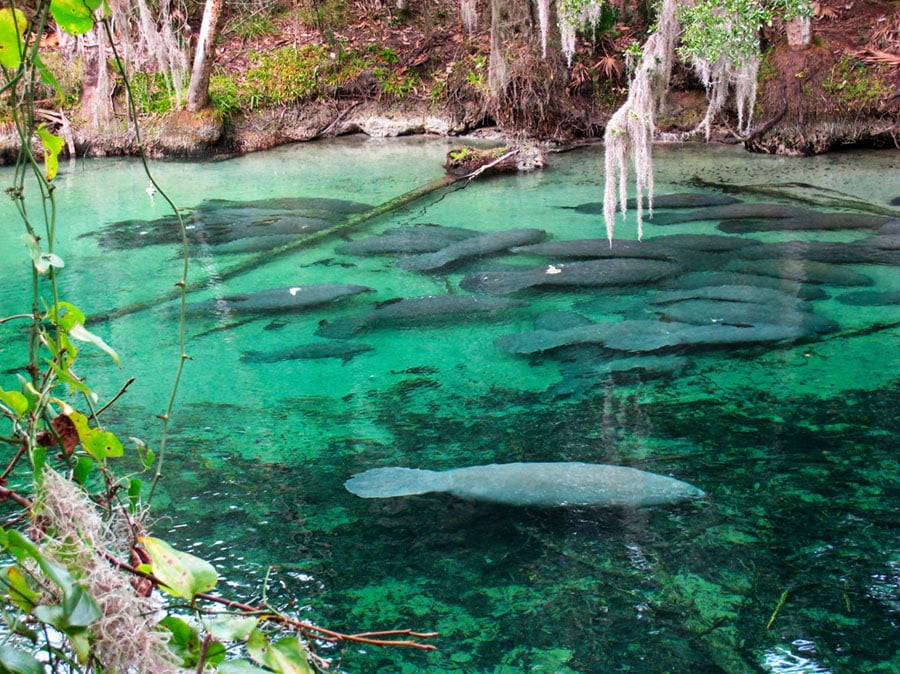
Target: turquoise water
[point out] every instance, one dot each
(791, 565)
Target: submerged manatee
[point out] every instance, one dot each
(758, 211)
(675, 200)
(707, 311)
(564, 484)
(595, 248)
(870, 298)
(420, 238)
(346, 351)
(693, 280)
(415, 310)
(477, 246)
(811, 222)
(804, 271)
(588, 273)
(278, 300)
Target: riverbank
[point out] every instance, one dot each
(386, 75)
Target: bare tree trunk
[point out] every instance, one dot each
(799, 33)
(198, 91)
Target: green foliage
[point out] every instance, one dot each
(853, 85)
(729, 29)
(151, 93)
(323, 15)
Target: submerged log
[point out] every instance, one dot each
(470, 162)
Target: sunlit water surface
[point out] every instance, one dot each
(791, 565)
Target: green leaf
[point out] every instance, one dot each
(53, 145)
(12, 28)
(66, 315)
(17, 589)
(14, 661)
(79, 332)
(134, 493)
(15, 401)
(83, 469)
(74, 16)
(47, 76)
(239, 667)
(286, 656)
(81, 609)
(183, 574)
(230, 627)
(185, 640)
(98, 443)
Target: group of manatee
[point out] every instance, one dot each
(673, 294)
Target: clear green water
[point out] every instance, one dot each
(796, 446)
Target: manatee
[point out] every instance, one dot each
(255, 244)
(346, 351)
(805, 271)
(538, 341)
(684, 336)
(870, 298)
(595, 248)
(892, 227)
(477, 246)
(811, 222)
(895, 201)
(421, 238)
(542, 485)
(705, 311)
(587, 273)
(220, 220)
(711, 243)
(732, 212)
(558, 319)
(736, 293)
(278, 300)
(675, 200)
(872, 250)
(583, 377)
(883, 241)
(693, 280)
(415, 310)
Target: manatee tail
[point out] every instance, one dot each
(387, 482)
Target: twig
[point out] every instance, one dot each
(378, 638)
(781, 602)
(114, 398)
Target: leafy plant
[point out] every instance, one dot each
(853, 85)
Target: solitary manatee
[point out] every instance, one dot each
(477, 246)
(278, 300)
(545, 485)
(587, 273)
(415, 310)
(345, 351)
